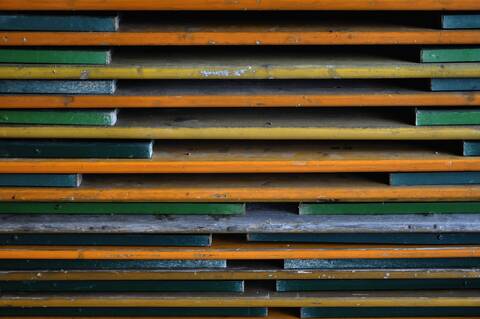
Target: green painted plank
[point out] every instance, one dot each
(59, 265)
(122, 208)
(471, 148)
(389, 208)
(375, 285)
(443, 263)
(442, 178)
(98, 57)
(136, 312)
(106, 239)
(59, 117)
(40, 180)
(461, 21)
(455, 84)
(450, 55)
(123, 286)
(58, 86)
(369, 312)
(75, 149)
(374, 238)
(58, 22)
(430, 117)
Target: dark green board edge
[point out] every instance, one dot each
(58, 56)
(360, 312)
(57, 87)
(442, 178)
(431, 117)
(450, 55)
(59, 117)
(40, 180)
(471, 84)
(461, 21)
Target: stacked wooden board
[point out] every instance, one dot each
(275, 158)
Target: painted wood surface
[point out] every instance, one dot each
(461, 21)
(358, 238)
(57, 87)
(231, 157)
(389, 208)
(75, 149)
(469, 84)
(240, 188)
(241, 5)
(292, 124)
(419, 263)
(81, 239)
(245, 64)
(444, 178)
(430, 117)
(471, 148)
(40, 180)
(375, 285)
(122, 208)
(59, 117)
(388, 312)
(34, 56)
(450, 55)
(58, 22)
(122, 286)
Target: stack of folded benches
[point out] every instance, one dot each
(276, 158)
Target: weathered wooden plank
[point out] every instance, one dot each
(122, 286)
(461, 21)
(471, 148)
(59, 22)
(443, 178)
(423, 263)
(443, 311)
(75, 149)
(55, 56)
(121, 208)
(40, 180)
(57, 87)
(375, 285)
(59, 117)
(106, 239)
(430, 117)
(469, 84)
(387, 208)
(359, 238)
(450, 55)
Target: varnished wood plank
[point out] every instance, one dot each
(399, 263)
(58, 22)
(388, 312)
(34, 56)
(59, 117)
(40, 180)
(57, 87)
(443, 178)
(461, 21)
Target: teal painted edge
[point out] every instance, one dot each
(471, 148)
(431, 117)
(450, 55)
(373, 238)
(106, 239)
(461, 21)
(122, 208)
(106, 87)
(423, 263)
(60, 265)
(40, 180)
(442, 178)
(468, 84)
(48, 56)
(389, 208)
(75, 149)
(358, 312)
(123, 286)
(59, 22)
(59, 117)
(375, 285)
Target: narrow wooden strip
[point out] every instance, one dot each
(450, 55)
(123, 286)
(461, 21)
(34, 56)
(75, 149)
(388, 312)
(359, 238)
(471, 148)
(40, 180)
(430, 117)
(375, 285)
(444, 178)
(58, 22)
(389, 208)
(472, 84)
(122, 208)
(57, 87)
(106, 239)
(59, 117)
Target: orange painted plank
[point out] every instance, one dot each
(29, 5)
(262, 157)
